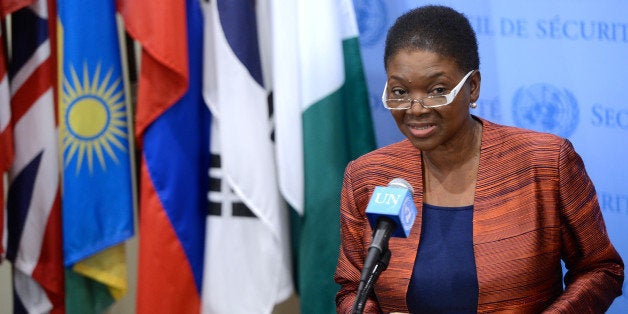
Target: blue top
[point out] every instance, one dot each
(444, 278)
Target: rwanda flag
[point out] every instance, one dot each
(97, 199)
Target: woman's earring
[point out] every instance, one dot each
(473, 105)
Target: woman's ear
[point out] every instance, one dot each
(476, 79)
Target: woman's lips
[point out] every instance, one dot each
(421, 129)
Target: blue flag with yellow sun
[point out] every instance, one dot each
(97, 194)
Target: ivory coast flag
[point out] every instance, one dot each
(319, 90)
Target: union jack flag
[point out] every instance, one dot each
(33, 202)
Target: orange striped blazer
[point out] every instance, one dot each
(534, 205)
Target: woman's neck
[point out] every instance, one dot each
(449, 178)
(455, 155)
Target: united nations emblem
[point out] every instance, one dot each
(371, 15)
(546, 108)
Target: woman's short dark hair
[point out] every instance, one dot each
(438, 29)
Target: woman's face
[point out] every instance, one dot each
(419, 73)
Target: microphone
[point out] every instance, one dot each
(390, 212)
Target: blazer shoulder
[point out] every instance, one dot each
(378, 167)
(389, 154)
(519, 139)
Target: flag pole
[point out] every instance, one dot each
(131, 247)
(130, 109)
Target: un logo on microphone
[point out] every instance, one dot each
(546, 108)
(371, 16)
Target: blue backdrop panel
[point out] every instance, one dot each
(551, 66)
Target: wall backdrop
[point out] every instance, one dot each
(553, 66)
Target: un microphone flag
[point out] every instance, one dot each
(393, 202)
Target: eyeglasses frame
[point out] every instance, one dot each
(449, 97)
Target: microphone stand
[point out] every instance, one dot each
(365, 288)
